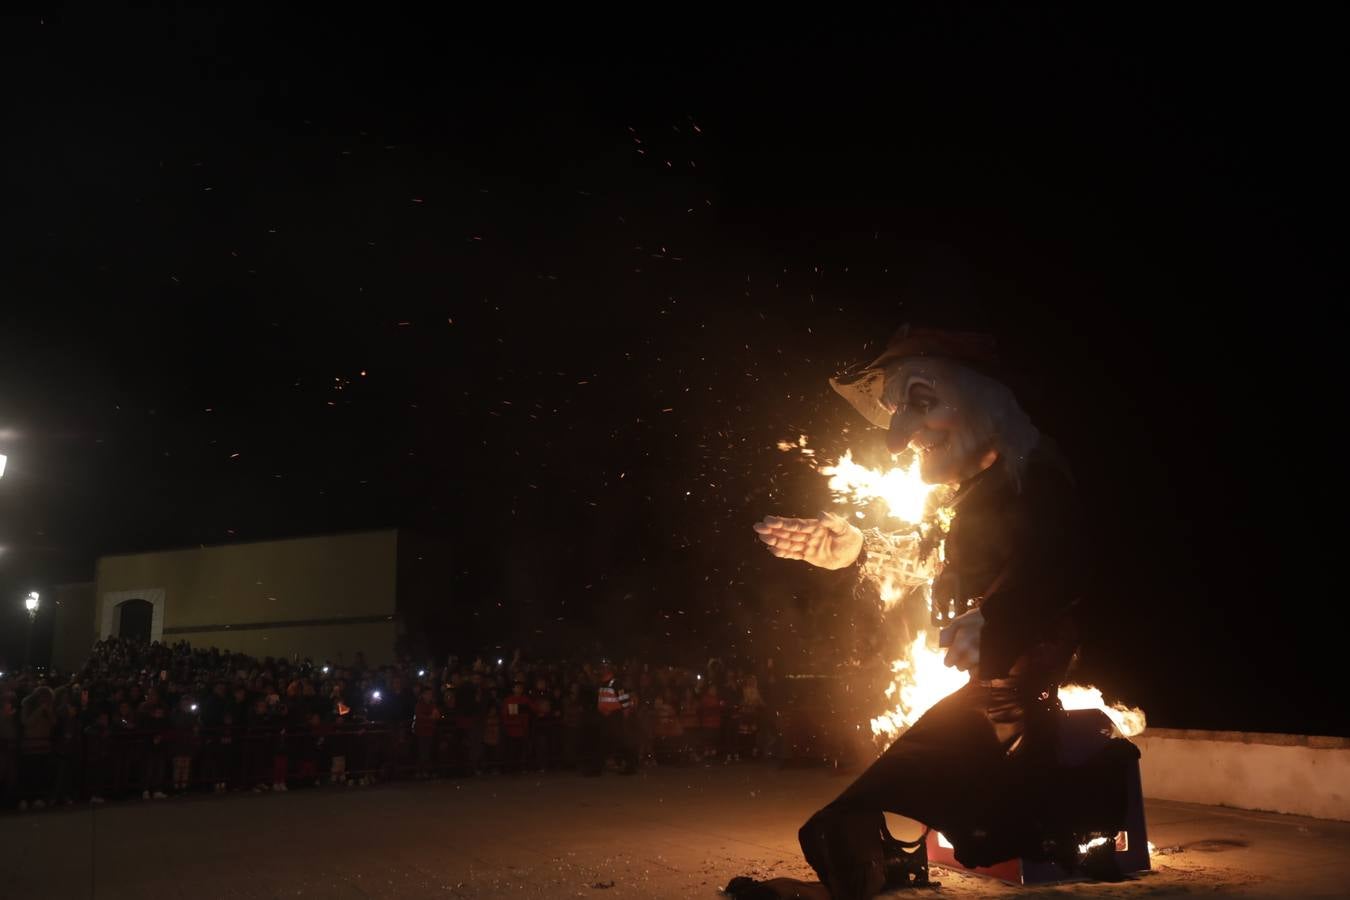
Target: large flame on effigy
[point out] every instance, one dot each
(919, 676)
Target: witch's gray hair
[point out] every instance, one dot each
(994, 411)
(1000, 415)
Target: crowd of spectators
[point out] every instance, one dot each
(153, 720)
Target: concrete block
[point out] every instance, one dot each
(1294, 774)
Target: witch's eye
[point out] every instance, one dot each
(921, 399)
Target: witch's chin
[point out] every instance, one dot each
(933, 472)
(929, 477)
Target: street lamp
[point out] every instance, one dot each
(30, 603)
(3, 459)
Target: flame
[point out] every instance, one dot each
(1122, 841)
(901, 489)
(1095, 842)
(919, 677)
(1129, 721)
(920, 680)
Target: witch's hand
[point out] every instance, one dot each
(962, 640)
(829, 542)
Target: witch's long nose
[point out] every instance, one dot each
(903, 427)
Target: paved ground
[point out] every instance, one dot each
(669, 833)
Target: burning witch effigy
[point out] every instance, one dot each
(992, 536)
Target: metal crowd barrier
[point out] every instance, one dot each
(129, 763)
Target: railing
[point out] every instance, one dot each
(128, 763)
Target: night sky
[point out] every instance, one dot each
(558, 288)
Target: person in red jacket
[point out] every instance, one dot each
(710, 708)
(426, 716)
(544, 727)
(516, 713)
(616, 707)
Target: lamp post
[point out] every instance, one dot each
(30, 603)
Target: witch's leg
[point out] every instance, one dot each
(941, 771)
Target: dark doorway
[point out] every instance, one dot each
(133, 620)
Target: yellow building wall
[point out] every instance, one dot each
(320, 643)
(263, 585)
